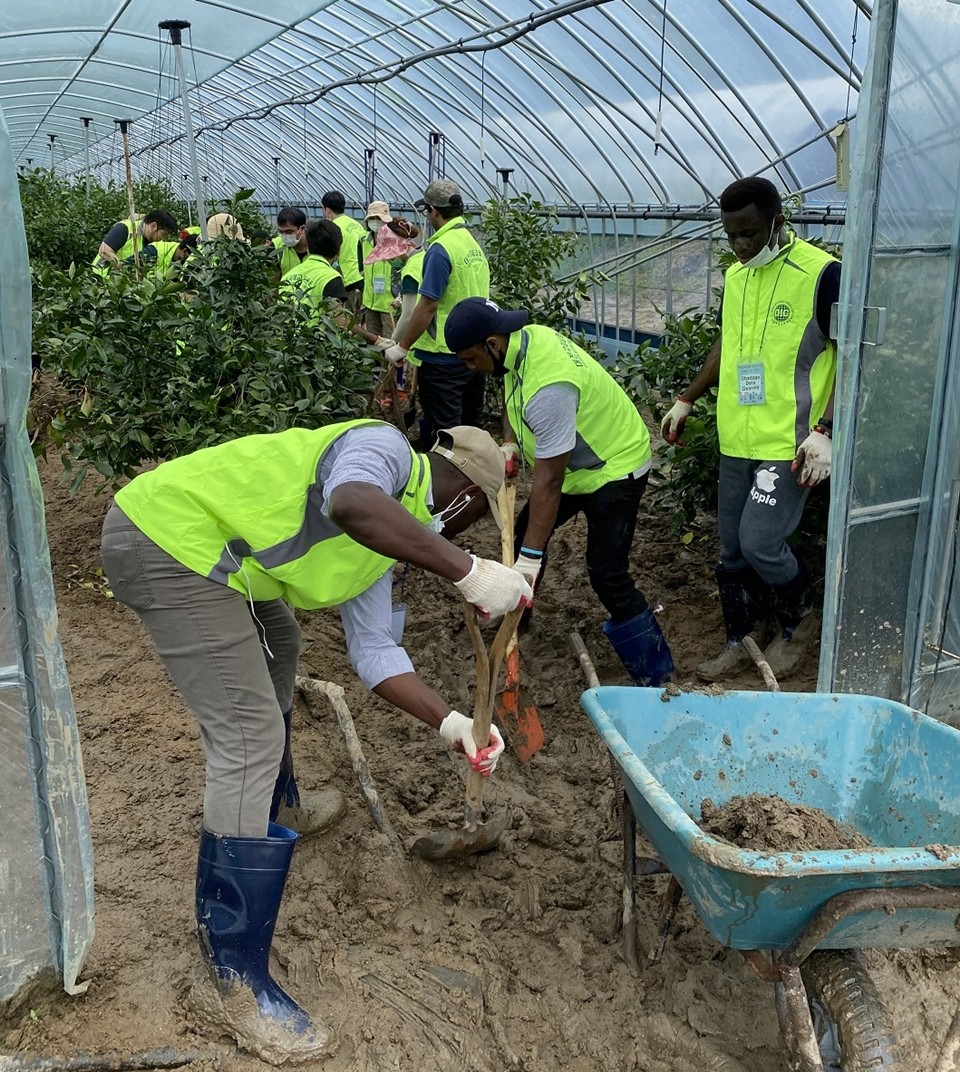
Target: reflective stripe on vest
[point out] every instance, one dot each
(770, 318)
(612, 440)
(246, 514)
(376, 300)
(469, 278)
(353, 233)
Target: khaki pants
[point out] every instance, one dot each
(379, 322)
(214, 644)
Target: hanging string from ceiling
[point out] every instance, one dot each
(663, 51)
(483, 106)
(853, 45)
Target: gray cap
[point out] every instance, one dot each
(441, 193)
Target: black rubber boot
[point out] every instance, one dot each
(743, 604)
(240, 883)
(316, 812)
(799, 630)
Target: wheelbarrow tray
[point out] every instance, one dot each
(877, 766)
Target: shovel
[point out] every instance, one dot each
(475, 836)
(523, 726)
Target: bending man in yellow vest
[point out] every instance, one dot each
(590, 452)
(128, 235)
(454, 267)
(212, 550)
(316, 282)
(775, 362)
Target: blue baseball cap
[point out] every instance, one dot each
(474, 319)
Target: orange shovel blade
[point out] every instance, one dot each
(524, 730)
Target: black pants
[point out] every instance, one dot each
(611, 513)
(450, 394)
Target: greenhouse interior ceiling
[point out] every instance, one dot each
(585, 102)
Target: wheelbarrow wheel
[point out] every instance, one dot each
(850, 1020)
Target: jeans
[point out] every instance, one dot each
(611, 513)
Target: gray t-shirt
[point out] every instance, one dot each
(552, 417)
(378, 455)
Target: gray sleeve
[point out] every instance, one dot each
(552, 417)
(366, 623)
(377, 454)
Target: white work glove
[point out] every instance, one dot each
(457, 731)
(395, 354)
(672, 424)
(494, 588)
(510, 451)
(814, 457)
(529, 568)
(383, 343)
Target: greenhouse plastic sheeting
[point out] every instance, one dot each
(46, 859)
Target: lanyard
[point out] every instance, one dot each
(773, 294)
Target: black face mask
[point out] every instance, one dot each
(499, 367)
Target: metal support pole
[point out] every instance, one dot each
(53, 139)
(276, 181)
(505, 173)
(134, 231)
(86, 120)
(176, 28)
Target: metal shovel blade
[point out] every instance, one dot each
(453, 844)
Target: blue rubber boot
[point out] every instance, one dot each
(316, 812)
(642, 648)
(240, 884)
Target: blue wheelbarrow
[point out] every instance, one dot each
(797, 917)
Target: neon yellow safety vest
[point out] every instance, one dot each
(412, 269)
(353, 233)
(126, 250)
(289, 258)
(307, 282)
(164, 259)
(469, 278)
(377, 280)
(612, 440)
(777, 369)
(247, 514)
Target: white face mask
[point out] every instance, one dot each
(374, 225)
(437, 522)
(290, 240)
(768, 253)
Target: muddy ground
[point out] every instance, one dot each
(507, 961)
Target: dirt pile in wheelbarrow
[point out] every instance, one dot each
(771, 824)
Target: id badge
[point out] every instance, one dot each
(398, 619)
(750, 385)
(380, 285)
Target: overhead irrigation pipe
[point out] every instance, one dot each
(123, 124)
(176, 28)
(479, 42)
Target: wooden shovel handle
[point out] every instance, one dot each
(488, 669)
